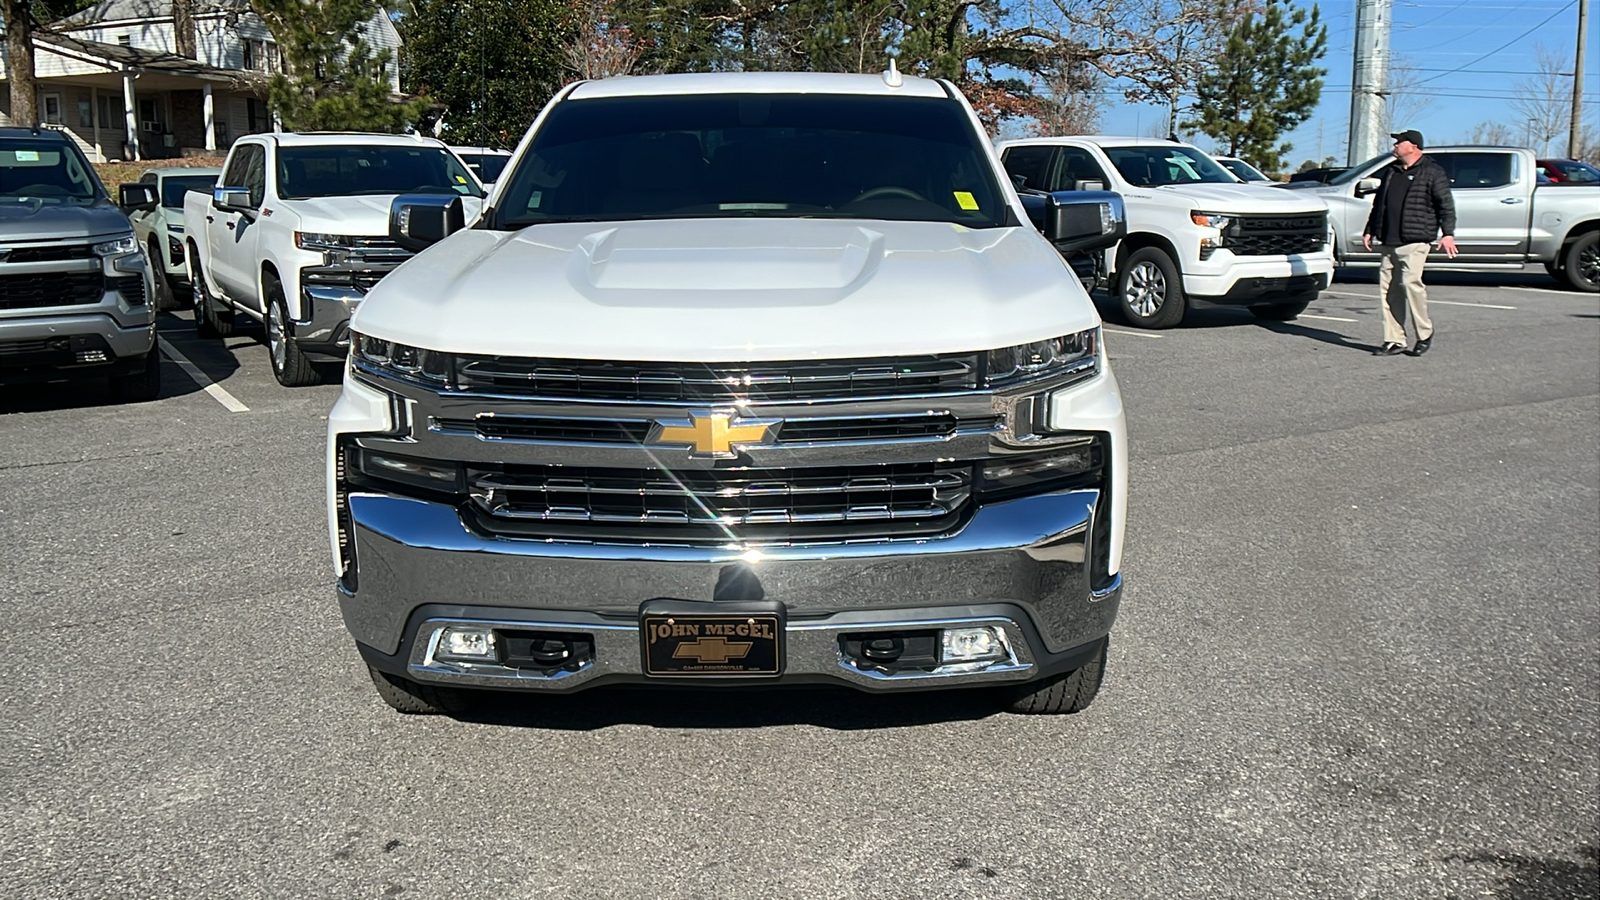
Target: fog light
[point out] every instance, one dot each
(468, 645)
(92, 356)
(971, 644)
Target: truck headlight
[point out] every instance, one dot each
(403, 360)
(1071, 354)
(315, 240)
(117, 246)
(1210, 219)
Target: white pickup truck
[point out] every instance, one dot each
(1504, 217)
(740, 379)
(1196, 235)
(295, 233)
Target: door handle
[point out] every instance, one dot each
(229, 224)
(1511, 200)
(211, 218)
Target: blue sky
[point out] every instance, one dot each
(1494, 40)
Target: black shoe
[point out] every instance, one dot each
(1390, 350)
(1421, 347)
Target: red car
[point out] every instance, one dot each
(1568, 171)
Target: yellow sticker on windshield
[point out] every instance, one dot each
(965, 200)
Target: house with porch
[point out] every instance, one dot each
(111, 77)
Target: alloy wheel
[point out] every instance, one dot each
(277, 341)
(1589, 264)
(1147, 289)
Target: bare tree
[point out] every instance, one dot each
(602, 46)
(1405, 100)
(1067, 101)
(1543, 103)
(1491, 132)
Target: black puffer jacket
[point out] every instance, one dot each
(1429, 210)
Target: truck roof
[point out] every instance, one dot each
(342, 138)
(1103, 140)
(756, 83)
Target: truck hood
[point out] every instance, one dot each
(41, 222)
(363, 215)
(725, 290)
(1238, 198)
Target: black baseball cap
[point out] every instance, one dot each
(1410, 134)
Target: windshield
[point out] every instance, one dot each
(739, 155)
(488, 166)
(1244, 170)
(173, 187)
(1158, 165)
(342, 170)
(44, 172)
(1577, 172)
(1350, 174)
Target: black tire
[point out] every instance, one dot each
(1150, 289)
(165, 299)
(207, 321)
(289, 364)
(140, 387)
(1582, 265)
(1280, 312)
(1068, 692)
(416, 699)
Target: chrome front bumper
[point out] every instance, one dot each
(1020, 565)
(326, 326)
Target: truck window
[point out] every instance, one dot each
(173, 187)
(1476, 170)
(47, 172)
(1077, 167)
(255, 174)
(347, 170)
(1031, 163)
(487, 165)
(1155, 165)
(233, 175)
(731, 155)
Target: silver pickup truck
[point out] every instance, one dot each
(1504, 219)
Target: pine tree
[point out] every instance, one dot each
(1266, 84)
(333, 82)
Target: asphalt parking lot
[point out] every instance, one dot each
(1358, 656)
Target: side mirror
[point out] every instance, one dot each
(138, 197)
(418, 221)
(1076, 221)
(1018, 181)
(1367, 186)
(230, 197)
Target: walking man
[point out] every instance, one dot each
(1412, 213)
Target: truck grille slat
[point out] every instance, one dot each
(706, 505)
(718, 383)
(1277, 235)
(634, 432)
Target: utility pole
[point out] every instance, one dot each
(1575, 136)
(1370, 81)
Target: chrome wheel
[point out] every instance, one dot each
(277, 336)
(1146, 290)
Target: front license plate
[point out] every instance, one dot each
(749, 644)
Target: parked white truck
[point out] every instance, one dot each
(296, 232)
(740, 379)
(1504, 218)
(1196, 235)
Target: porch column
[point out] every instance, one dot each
(211, 116)
(94, 122)
(130, 114)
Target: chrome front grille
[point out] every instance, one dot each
(719, 383)
(823, 430)
(683, 506)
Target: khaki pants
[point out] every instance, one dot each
(1405, 292)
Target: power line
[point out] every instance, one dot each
(1502, 46)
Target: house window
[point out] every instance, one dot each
(262, 56)
(256, 114)
(111, 116)
(125, 40)
(85, 113)
(52, 109)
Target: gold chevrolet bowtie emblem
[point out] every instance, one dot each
(711, 650)
(712, 434)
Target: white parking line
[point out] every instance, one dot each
(230, 402)
(1518, 287)
(1479, 305)
(1134, 333)
(1324, 318)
